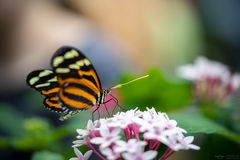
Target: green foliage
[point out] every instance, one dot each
(25, 134)
(156, 90)
(46, 155)
(194, 122)
(37, 135)
(11, 120)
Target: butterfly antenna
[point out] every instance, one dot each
(123, 84)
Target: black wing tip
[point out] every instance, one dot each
(61, 50)
(31, 75)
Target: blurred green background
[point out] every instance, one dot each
(123, 39)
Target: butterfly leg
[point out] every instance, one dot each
(106, 109)
(94, 112)
(113, 108)
(116, 101)
(98, 113)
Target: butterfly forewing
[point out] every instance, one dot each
(46, 83)
(80, 86)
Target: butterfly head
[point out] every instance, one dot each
(104, 94)
(107, 91)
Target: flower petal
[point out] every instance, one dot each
(97, 140)
(128, 156)
(90, 125)
(149, 155)
(81, 131)
(189, 139)
(87, 154)
(115, 132)
(78, 153)
(192, 146)
(104, 131)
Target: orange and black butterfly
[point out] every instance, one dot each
(72, 85)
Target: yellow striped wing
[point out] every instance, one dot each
(80, 85)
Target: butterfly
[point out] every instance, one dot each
(72, 85)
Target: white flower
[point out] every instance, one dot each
(204, 68)
(156, 133)
(123, 119)
(107, 136)
(84, 133)
(186, 142)
(148, 128)
(79, 143)
(235, 81)
(140, 155)
(80, 156)
(109, 153)
(131, 146)
(213, 81)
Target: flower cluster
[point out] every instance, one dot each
(212, 80)
(134, 135)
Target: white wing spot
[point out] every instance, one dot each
(58, 60)
(33, 80)
(45, 73)
(74, 66)
(80, 63)
(53, 79)
(87, 62)
(62, 70)
(42, 85)
(71, 54)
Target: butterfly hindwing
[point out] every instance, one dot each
(46, 83)
(53, 104)
(80, 85)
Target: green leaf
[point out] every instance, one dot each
(10, 120)
(37, 131)
(156, 90)
(196, 123)
(3, 142)
(46, 155)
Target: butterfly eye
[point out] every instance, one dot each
(108, 91)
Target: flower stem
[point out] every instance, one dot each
(135, 130)
(167, 154)
(95, 151)
(156, 145)
(127, 134)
